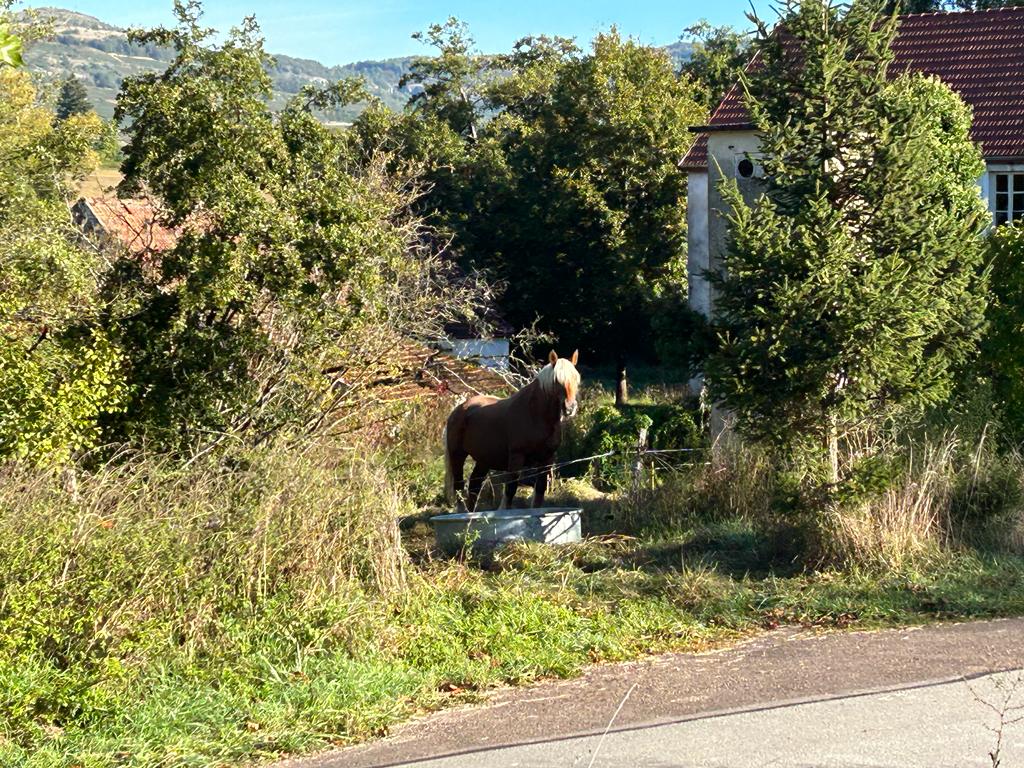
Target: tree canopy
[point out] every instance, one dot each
(719, 56)
(298, 263)
(556, 172)
(72, 98)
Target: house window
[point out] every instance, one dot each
(1009, 197)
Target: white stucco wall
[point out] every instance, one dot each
(697, 242)
(706, 227)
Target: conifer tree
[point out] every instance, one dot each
(73, 99)
(852, 288)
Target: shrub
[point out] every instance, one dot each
(608, 428)
(60, 372)
(1002, 349)
(944, 495)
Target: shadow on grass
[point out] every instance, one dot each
(734, 549)
(730, 549)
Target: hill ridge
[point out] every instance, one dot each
(99, 53)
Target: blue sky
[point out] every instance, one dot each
(343, 31)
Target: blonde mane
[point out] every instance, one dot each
(561, 374)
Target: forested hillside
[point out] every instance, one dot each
(101, 55)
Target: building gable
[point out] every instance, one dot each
(979, 54)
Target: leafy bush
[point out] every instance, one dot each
(1002, 349)
(60, 371)
(607, 428)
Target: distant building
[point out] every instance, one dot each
(979, 54)
(134, 224)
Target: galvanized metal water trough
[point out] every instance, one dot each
(487, 530)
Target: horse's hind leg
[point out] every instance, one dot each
(476, 482)
(458, 469)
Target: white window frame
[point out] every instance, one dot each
(1014, 208)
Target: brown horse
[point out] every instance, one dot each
(520, 432)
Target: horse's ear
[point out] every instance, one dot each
(552, 357)
(575, 356)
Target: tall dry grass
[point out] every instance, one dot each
(91, 558)
(940, 495)
(732, 481)
(948, 495)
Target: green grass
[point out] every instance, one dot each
(284, 680)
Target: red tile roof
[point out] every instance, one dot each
(133, 223)
(417, 371)
(979, 54)
(697, 158)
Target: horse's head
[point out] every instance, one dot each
(562, 380)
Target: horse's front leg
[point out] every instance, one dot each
(540, 482)
(515, 466)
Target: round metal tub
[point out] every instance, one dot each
(489, 529)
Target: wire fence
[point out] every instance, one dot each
(639, 455)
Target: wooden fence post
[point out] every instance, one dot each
(621, 385)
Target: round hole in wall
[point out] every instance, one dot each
(745, 168)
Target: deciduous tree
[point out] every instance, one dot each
(297, 268)
(718, 57)
(60, 373)
(567, 190)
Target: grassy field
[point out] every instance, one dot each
(245, 609)
(100, 182)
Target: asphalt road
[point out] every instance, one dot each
(917, 697)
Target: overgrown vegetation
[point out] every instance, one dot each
(155, 614)
(213, 536)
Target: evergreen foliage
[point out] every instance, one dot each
(72, 99)
(852, 288)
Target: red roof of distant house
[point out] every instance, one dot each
(420, 371)
(979, 54)
(133, 223)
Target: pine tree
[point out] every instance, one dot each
(73, 99)
(852, 288)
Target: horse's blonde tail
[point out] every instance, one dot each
(449, 476)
